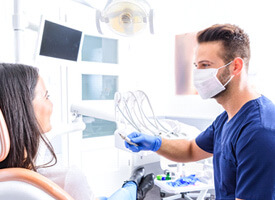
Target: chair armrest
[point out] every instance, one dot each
(35, 179)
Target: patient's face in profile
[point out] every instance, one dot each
(42, 106)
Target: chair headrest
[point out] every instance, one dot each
(4, 138)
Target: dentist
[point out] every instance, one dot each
(242, 138)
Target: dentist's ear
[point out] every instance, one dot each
(238, 66)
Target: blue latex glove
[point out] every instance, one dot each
(145, 142)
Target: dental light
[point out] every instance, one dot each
(124, 17)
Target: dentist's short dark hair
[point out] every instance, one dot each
(234, 40)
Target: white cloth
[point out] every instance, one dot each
(72, 180)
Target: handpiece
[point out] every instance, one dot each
(127, 140)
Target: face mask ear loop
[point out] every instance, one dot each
(228, 81)
(222, 67)
(225, 65)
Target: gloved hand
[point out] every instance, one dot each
(145, 142)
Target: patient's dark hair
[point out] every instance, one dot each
(17, 86)
(234, 40)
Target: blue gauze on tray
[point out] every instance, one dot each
(184, 181)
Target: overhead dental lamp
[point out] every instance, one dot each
(124, 17)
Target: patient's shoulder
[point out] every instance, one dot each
(71, 179)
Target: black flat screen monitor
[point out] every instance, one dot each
(59, 41)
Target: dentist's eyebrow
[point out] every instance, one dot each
(205, 61)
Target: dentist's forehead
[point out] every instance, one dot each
(208, 51)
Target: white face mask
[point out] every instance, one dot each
(207, 83)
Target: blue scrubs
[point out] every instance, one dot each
(243, 152)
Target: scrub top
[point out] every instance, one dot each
(243, 151)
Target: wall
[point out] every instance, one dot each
(152, 58)
(149, 60)
(6, 34)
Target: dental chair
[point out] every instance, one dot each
(24, 184)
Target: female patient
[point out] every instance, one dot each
(27, 109)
